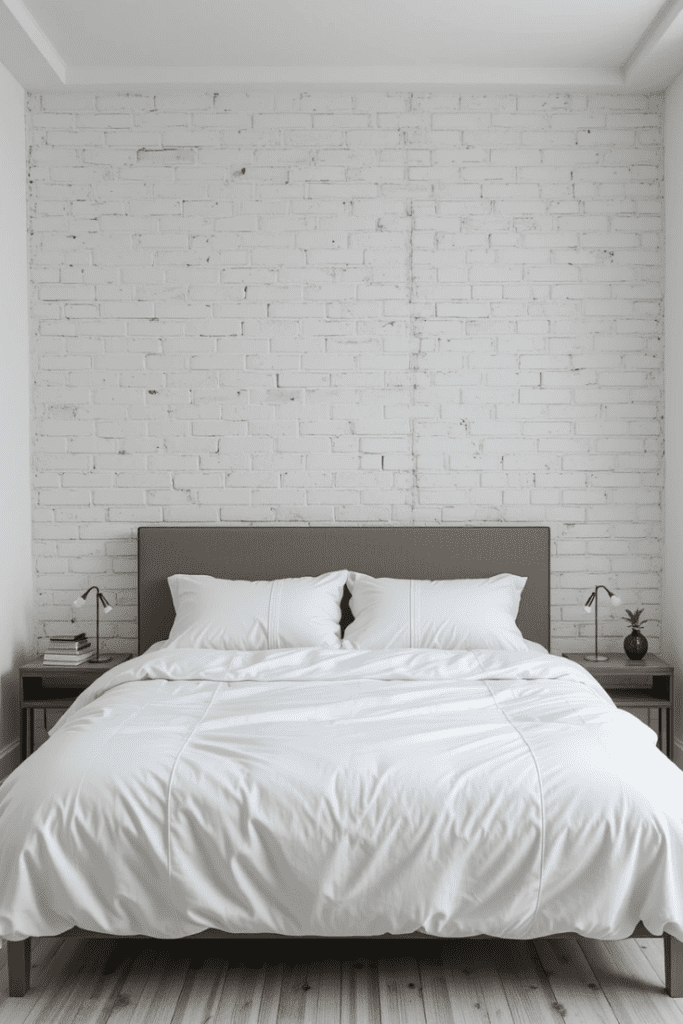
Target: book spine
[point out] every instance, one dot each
(68, 649)
(53, 654)
(73, 650)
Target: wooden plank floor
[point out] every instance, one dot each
(578, 981)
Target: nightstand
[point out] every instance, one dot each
(47, 687)
(645, 688)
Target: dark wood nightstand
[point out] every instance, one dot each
(645, 688)
(47, 687)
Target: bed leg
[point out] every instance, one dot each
(19, 967)
(673, 966)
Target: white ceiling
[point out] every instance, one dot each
(594, 44)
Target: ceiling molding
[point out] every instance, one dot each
(653, 34)
(37, 37)
(657, 59)
(29, 54)
(356, 77)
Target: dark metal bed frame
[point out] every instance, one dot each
(266, 553)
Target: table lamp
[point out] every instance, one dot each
(106, 608)
(592, 602)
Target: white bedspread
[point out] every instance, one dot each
(322, 792)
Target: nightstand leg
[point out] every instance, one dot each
(19, 967)
(25, 734)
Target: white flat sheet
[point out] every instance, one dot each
(321, 792)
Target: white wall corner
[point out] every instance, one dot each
(672, 578)
(16, 592)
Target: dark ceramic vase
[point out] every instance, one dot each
(635, 645)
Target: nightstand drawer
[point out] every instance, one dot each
(66, 679)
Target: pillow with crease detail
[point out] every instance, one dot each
(246, 615)
(462, 615)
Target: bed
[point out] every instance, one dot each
(407, 787)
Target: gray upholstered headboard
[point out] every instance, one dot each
(402, 552)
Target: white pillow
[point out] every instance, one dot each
(447, 614)
(244, 615)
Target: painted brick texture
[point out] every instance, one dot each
(371, 308)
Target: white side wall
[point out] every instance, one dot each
(16, 594)
(672, 591)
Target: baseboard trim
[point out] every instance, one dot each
(9, 759)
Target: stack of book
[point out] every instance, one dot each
(68, 650)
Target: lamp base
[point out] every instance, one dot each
(99, 661)
(595, 657)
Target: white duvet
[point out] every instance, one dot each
(324, 792)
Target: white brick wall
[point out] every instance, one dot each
(368, 308)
